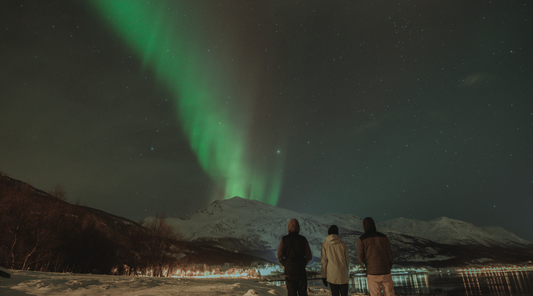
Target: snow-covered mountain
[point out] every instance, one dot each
(252, 227)
(453, 232)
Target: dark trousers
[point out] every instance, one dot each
(338, 290)
(296, 285)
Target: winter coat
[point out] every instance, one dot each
(335, 261)
(373, 250)
(294, 252)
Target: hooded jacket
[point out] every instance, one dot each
(293, 251)
(373, 250)
(335, 261)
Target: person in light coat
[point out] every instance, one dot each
(335, 263)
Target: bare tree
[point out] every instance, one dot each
(59, 192)
(162, 245)
(20, 225)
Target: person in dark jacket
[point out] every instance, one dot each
(375, 254)
(294, 254)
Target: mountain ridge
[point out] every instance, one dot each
(454, 232)
(252, 227)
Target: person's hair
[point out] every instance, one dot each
(333, 230)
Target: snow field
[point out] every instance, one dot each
(40, 283)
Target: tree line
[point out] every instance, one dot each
(43, 232)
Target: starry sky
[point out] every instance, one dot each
(387, 109)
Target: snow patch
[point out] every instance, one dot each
(59, 284)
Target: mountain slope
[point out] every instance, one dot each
(453, 232)
(252, 227)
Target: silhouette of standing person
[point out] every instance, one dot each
(374, 253)
(294, 254)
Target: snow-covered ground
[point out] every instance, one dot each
(41, 283)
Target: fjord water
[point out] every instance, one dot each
(493, 283)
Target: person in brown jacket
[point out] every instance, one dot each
(294, 254)
(375, 254)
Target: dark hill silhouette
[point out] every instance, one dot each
(42, 232)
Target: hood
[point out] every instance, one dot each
(333, 239)
(294, 226)
(369, 225)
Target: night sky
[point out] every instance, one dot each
(415, 109)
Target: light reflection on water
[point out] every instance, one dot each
(493, 283)
(406, 283)
(497, 283)
(490, 283)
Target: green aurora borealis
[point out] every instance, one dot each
(403, 109)
(216, 123)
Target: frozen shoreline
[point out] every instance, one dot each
(57, 284)
(45, 283)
